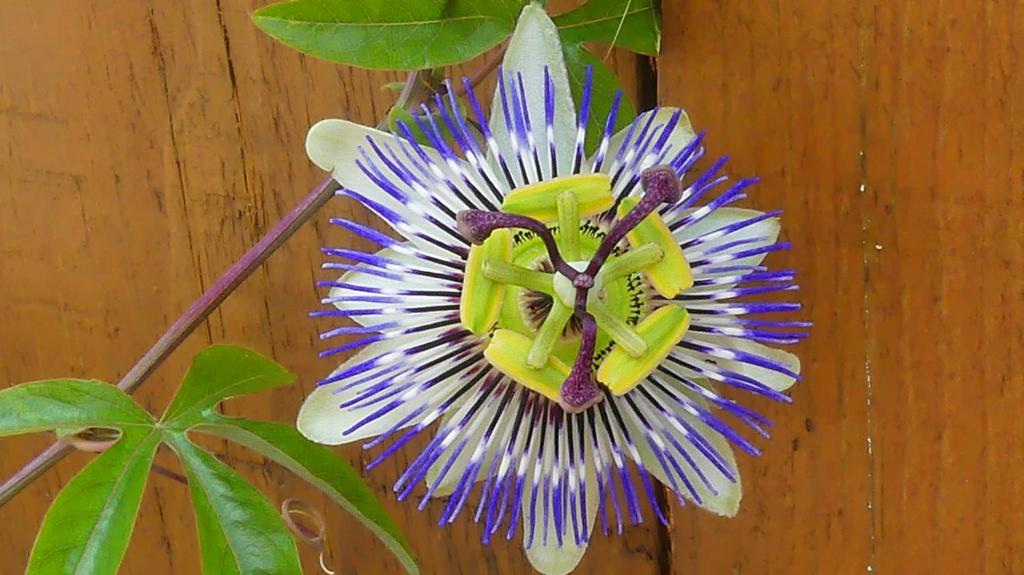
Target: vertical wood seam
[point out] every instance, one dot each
(865, 246)
(647, 98)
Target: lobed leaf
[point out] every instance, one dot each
(385, 35)
(319, 466)
(218, 373)
(239, 532)
(86, 530)
(67, 403)
(90, 523)
(631, 24)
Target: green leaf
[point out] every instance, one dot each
(67, 403)
(605, 84)
(218, 373)
(404, 35)
(239, 532)
(88, 527)
(319, 466)
(398, 114)
(631, 24)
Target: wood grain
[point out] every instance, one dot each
(776, 87)
(147, 145)
(890, 135)
(945, 189)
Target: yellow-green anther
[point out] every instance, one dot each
(625, 335)
(540, 201)
(506, 273)
(569, 225)
(548, 335)
(661, 331)
(480, 303)
(507, 353)
(631, 262)
(672, 274)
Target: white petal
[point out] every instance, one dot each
(334, 146)
(727, 500)
(729, 493)
(386, 286)
(482, 418)
(768, 229)
(551, 559)
(680, 137)
(321, 419)
(534, 46)
(773, 379)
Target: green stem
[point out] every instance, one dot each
(506, 273)
(548, 335)
(623, 334)
(631, 262)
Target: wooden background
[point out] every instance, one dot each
(144, 145)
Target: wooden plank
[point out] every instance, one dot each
(145, 152)
(945, 190)
(776, 87)
(95, 259)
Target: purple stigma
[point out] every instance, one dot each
(579, 391)
(477, 225)
(661, 185)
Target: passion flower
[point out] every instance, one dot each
(569, 320)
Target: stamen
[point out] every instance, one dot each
(507, 352)
(631, 262)
(540, 201)
(548, 335)
(480, 302)
(672, 274)
(624, 335)
(579, 391)
(506, 273)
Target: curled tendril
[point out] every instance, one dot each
(93, 439)
(314, 534)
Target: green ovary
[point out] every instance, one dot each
(624, 297)
(513, 294)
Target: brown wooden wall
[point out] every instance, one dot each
(145, 144)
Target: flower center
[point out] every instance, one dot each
(565, 297)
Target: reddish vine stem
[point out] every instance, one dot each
(192, 318)
(412, 94)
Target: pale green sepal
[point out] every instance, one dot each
(535, 46)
